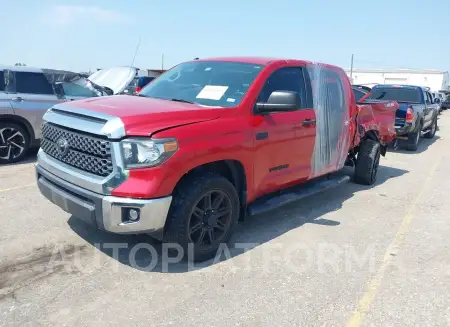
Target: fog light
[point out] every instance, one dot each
(133, 215)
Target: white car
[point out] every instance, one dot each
(108, 81)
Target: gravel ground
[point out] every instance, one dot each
(353, 256)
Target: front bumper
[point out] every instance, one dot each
(105, 212)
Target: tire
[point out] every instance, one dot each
(189, 209)
(432, 131)
(367, 162)
(14, 142)
(413, 139)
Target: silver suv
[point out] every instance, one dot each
(25, 95)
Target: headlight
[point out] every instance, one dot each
(139, 153)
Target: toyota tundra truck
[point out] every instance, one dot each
(208, 143)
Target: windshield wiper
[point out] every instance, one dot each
(181, 100)
(174, 99)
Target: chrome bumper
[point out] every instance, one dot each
(106, 212)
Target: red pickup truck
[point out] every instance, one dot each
(207, 143)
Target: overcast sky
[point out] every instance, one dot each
(82, 35)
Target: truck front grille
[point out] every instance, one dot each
(82, 151)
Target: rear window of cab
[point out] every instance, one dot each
(398, 94)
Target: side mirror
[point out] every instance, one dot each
(437, 100)
(280, 101)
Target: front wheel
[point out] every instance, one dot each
(14, 143)
(367, 162)
(203, 215)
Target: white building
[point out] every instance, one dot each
(435, 80)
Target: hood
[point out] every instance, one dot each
(145, 116)
(115, 78)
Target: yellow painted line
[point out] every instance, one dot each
(16, 188)
(372, 287)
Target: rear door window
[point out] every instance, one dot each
(333, 91)
(33, 83)
(2, 81)
(399, 94)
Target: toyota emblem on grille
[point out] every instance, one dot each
(62, 146)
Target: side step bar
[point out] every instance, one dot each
(295, 195)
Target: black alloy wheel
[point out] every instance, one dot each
(203, 215)
(210, 219)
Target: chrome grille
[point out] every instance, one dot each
(84, 152)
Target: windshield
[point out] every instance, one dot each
(209, 83)
(75, 90)
(399, 94)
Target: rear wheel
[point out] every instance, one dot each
(367, 162)
(14, 142)
(433, 128)
(203, 215)
(413, 139)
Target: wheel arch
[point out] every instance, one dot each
(231, 169)
(374, 135)
(20, 121)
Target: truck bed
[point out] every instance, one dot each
(377, 115)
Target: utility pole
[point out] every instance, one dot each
(351, 70)
(162, 61)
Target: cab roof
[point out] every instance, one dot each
(405, 86)
(249, 60)
(263, 60)
(26, 69)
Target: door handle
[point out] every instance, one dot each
(308, 122)
(18, 99)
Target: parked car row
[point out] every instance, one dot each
(27, 93)
(446, 103)
(417, 113)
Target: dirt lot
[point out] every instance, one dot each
(354, 256)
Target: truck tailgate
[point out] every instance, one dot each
(379, 116)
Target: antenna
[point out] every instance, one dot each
(135, 52)
(351, 71)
